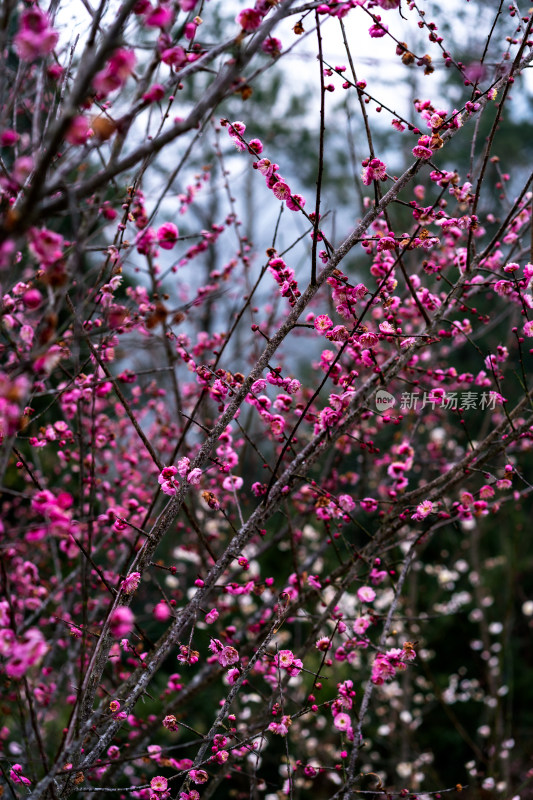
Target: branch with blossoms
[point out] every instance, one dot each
(245, 498)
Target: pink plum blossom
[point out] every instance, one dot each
(322, 323)
(79, 131)
(194, 476)
(15, 773)
(159, 17)
(360, 625)
(117, 70)
(167, 235)
(369, 504)
(374, 170)
(366, 594)
(121, 621)
(131, 582)
(378, 30)
(423, 510)
(342, 722)
(249, 19)
(281, 190)
(159, 784)
(228, 656)
(198, 776)
(169, 485)
(35, 37)
(272, 46)
(155, 93)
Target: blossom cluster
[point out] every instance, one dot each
(274, 181)
(387, 664)
(35, 36)
(229, 453)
